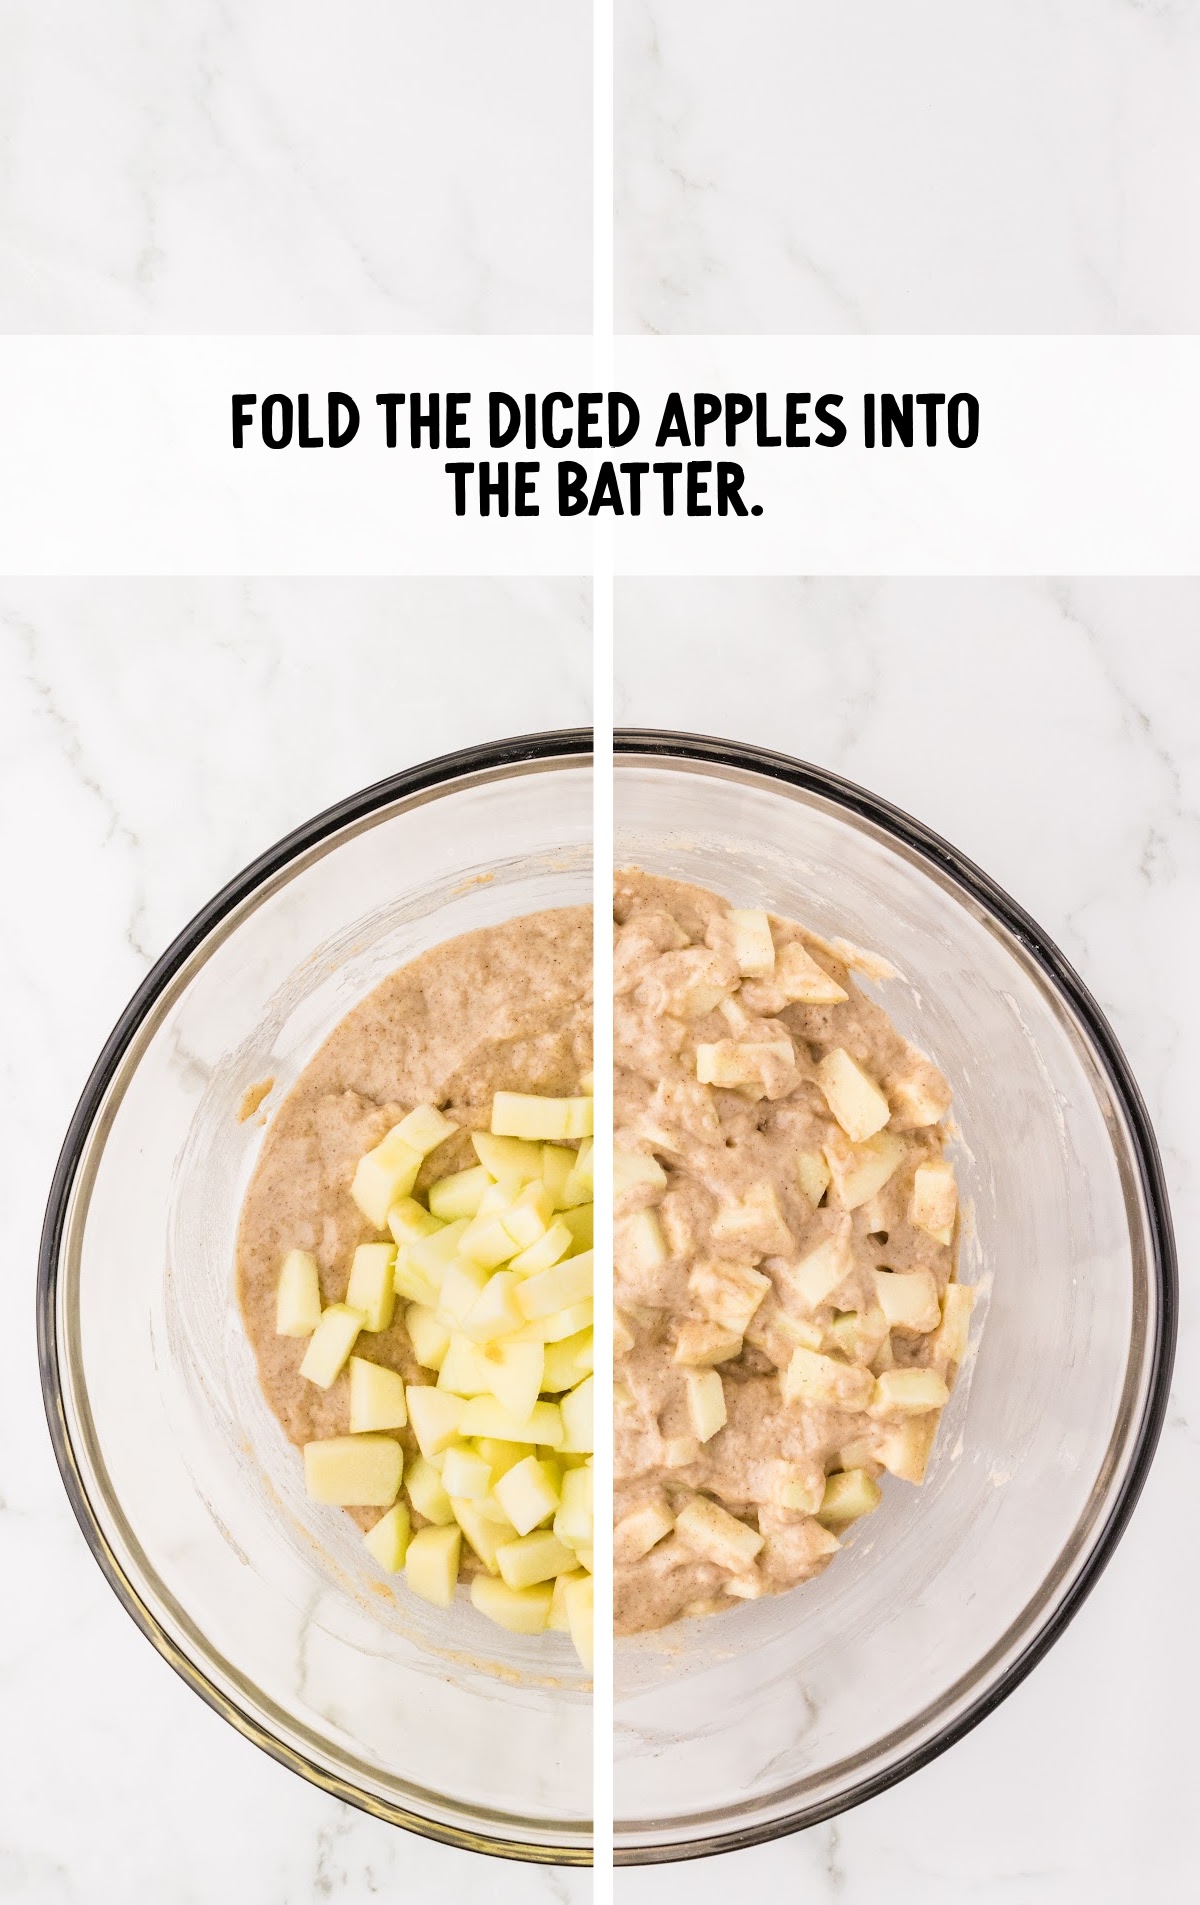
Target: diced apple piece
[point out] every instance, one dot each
(514, 1375)
(908, 1299)
(640, 1244)
(738, 1067)
(563, 1323)
(425, 1128)
(634, 1171)
(527, 1494)
(581, 1222)
(854, 1099)
(640, 1530)
(818, 1275)
(462, 1286)
(421, 1265)
(429, 1337)
(298, 1301)
(859, 1334)
(495, 1312)
(384, 1176)
(549, 1248)
(500, 1455)
(330, 1344)
(436, 1418)
(909, 1392)
(803, 982)
(934, 1201)
(812, 1175)
(558, 1622)
(580, 1186)
(797, 1488)
(371, 1289)
(458, 1195)
(810, 1377)
(579, 1604)
(558, 1161)
(701, 1345)
(573, 1519)
(905, 1448)
(463, 1371)
(753, 947)
(519, 1114)
(705, 1402)
(921, 1095)
(718, 1536)
(530, 1216)
(533, 1558)
(501, 1157)
(568, 1362)
(431, 1564)
(564, 1284)
(848, 1495)
(862, 1171)
(409, 1221)
(756, 1221)
(483, 1415)
(576, 1409)
(465, 1472)
(520, 1610)
(354, 1471)
(486, 1241)
(728, 1293)
(425, 1492)
(950, 1343)
(388, 1540)
(413, 1283)
(376, 1397)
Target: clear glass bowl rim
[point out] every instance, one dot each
(765, 764)
(428, 779)
(520, 753)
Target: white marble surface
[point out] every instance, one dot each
(154, 736)
(1008, 165)
(288, 165)
(1048, 729)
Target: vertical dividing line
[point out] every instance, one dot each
(602, 827)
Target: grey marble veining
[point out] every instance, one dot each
(284, 165)
(1011, 165)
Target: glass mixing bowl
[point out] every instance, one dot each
(184, 1485)
(784, 1711)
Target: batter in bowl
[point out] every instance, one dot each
(787, 1323)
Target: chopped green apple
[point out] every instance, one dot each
(501, 1157)
(701, 1345)
(861, 1170)
(354, 1471)
(465, 1472)
(817, 1276)
(854, 1099)
(514, 1373)
(528, 1559)
(848, 1495)
(501, 1455)
(753, 947)
(425, 1128)
(429, 1336)
(950, 1342)
(634, 1171)
(458, 1195)
(431, 1564)
(909, 1392)
(566, 1363)
(549, 1248)
(581, 1222)
(641, 1529)
(934, 1202)
(424, 1488)
(908, 1299)
(705, 1402)
(812, 1175)
(388, 1540)
(802, 981)
(409, 1221)
(436, 1418)
(371, 1288)
(640, 1244)
(520, 1610)
(576, 1409)
(518, 1114)
(574, 1515)
(904, 1448)
(462, 1372)
(718, 1536)
(728, 1293)
(384, 1176)
(810, 1377)
(330, 1344)
(495, 1311)
(563, 1285)
(376, 1397)
(298, 1302)
(462, 1286)
(483, 1415)
(578, 1596)
(527, 1493)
